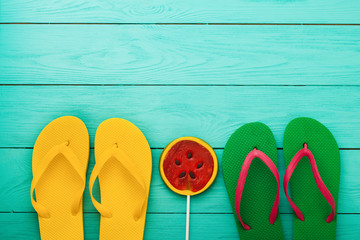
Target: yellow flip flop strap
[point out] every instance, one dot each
(40, 169)
(126, 162)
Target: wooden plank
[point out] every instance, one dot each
(167, 112)
(16, 179)
(168, 226)
(186, 11)
(196, 54)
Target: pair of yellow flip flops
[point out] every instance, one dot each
(123, 167)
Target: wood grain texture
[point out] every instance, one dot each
(164, 113)
(186, 11)
(16, 179)
(168, 226)
(197, 54)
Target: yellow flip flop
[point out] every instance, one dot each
(59, 163)
(123, 166)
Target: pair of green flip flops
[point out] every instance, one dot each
(312, 159)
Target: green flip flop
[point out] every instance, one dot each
(314, 182)
(259, 194)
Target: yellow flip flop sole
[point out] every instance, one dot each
(123, 167)
(59, 163)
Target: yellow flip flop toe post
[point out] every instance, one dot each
(123, 167)
(59, 163)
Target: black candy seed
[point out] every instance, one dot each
(189, 155)
(192, 175)
(200, 165)
(177, 162)
(182, 174)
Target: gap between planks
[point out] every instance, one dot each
(241, 24)
(170, 85)
(159, 148)
(174, 213)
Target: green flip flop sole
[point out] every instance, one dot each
(260, 187)
(304, 191)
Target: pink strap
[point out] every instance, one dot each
(322, 187)
(242, 178)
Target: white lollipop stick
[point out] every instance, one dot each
(187, 216)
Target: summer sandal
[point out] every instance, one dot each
(252, 179)
(59, 163)
(123, 166)
(312, 158)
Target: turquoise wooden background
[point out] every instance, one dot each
(176, 68)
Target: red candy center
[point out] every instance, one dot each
(188, 166)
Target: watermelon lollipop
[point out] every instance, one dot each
(188, 166)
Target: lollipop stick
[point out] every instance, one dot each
(187, 216)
